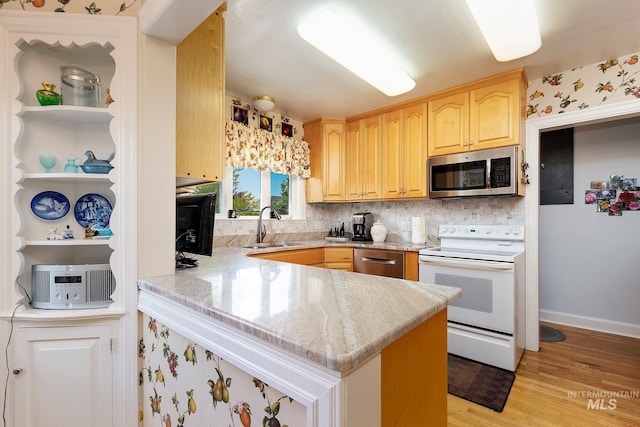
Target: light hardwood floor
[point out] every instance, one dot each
(543, 392)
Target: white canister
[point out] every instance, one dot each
(418, 230)
(378, 232)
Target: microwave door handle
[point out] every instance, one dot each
(488, 181)
(478, 265)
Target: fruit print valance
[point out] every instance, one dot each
(260, 149)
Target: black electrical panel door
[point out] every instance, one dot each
(556, 167)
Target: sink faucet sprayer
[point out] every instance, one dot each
(262, 229)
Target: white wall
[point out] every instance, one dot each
(587, 260)
(156, 157)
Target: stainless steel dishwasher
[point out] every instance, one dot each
(379, 262)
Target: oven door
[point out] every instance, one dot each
(488, 290)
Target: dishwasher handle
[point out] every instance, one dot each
(386, 261)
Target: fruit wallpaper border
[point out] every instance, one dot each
(607, 82)
(91, 7)
(182, 384)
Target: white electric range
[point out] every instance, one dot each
(487, 323)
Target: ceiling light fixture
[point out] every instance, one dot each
(264, 103)
(510, 27)
(354, 50)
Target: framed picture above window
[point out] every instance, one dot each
(287, 129)
(240, 114)
(266, 123)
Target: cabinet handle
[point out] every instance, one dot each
(17, 371)
(470, 142)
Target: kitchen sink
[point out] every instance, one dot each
(271, 245)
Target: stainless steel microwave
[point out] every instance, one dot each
(490, 172)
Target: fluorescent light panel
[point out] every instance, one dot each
(354, 50)
(510, 27)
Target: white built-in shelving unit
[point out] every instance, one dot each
(91, 351)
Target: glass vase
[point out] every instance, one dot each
(47, 95)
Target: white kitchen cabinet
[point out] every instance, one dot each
(33, 47)
(63, 376)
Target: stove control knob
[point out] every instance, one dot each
(507, 231)
(487, 231)
(515, 231)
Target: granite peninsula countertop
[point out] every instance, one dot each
(335, 318)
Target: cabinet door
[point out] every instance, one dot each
(392, 174)
(372, 158)
(494, 115)
(415, 151)
(313, 136)
(65, 378)
(338, 255)
(354, 163)
(448, 124)
(338, 258)
(200, 101)
(333, 149)
(314, 257)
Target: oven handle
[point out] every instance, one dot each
(466, 263)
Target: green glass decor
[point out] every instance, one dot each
(47, 95)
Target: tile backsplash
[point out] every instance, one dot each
(396, 216)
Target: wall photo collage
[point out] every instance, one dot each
(614, 196)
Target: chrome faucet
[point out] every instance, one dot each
(262, 230)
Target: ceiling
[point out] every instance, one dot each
(435, 41)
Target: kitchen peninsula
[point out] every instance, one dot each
(353, 349)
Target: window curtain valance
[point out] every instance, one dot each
(258, 149)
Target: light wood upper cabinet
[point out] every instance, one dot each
(354, 164)
(363, 159)
(372, 157)
(327, 139)
(404, 158)
(392, 143)
(200, 89)
(415, 151)
(485, 114)
(448, 124)
(494, 115)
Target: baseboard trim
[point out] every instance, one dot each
(591, 323)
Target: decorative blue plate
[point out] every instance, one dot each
(93, 209)
(50, 205)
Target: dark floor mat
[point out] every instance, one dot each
(549, 334)
(479, 383)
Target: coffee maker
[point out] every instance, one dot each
(361, 227)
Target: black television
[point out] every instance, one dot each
(194, 227)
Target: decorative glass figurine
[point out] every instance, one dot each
(47, 95)
(47, 161)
